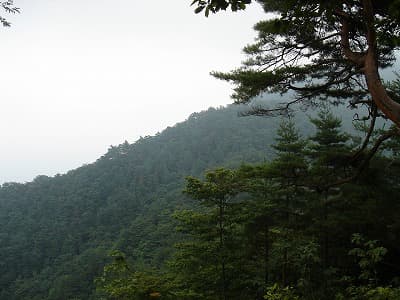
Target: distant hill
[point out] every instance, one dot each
(56, 232)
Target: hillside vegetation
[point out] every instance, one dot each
(56, 234)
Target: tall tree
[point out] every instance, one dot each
(328, 150)
(287, 171)
(318, 50)
(278, 204)
(211, 235)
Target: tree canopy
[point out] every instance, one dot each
(266, 231)
(329, 50)
(56, 233)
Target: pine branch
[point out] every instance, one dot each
(384, 137)
(8, 7)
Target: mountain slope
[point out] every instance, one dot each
(56, 233)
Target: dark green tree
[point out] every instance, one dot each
(267, 232)
(207, 259)
(277, 206)
(120, 282)
(287, 173)
(329, 150)
(369, 255)
(329, 154)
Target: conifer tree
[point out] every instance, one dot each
(318, 50)
(328, 155)
(329, 150)
(205, 264)
(288, 170)
(286, 174)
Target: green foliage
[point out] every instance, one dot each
(119, 282)
(207, 262)
(218, 185)
(55, 233)
(329, 150)
(316, 51)
(281, 216)
(370, 293)
(393, 87)
(263, 223)
(277, 293)
(369, 255)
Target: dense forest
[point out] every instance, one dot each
(303, 206)
(122, 227)
(56, 233)
(298, 226)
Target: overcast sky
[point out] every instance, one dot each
(78, 76)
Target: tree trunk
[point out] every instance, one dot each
(368, 62)
(385, 103)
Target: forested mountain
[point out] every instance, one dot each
(314, 222)
(226, 208)
(56, 233)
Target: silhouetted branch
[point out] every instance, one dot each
(371, 128)
(8, 7)
(365, 162)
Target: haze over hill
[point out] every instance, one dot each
(217, 207)
(83, 75)
(56, 233)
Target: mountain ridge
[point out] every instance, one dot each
(56, 232)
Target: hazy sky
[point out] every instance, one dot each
(78, 76)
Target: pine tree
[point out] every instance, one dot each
(328, 150)
(329, 154)
(318, 50)
(205, 264)
(287, 172)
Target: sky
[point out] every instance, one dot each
(78, 76)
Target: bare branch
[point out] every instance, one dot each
(369, 133)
